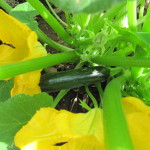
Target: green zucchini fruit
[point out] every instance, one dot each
(73, 78)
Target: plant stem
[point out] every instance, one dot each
(122, 61)
(141, 11)
(56, 16)
(116, 131)
(60, 95)
(100, 91)
(91, 96)
(132, 17)
(13, 69)
(68, 20)
(48, 17)
(110, 14)
(5, 6)
(43, 37)
(146, 22)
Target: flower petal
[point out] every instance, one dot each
(27, 83)
(138, 118)
(20, 43)
(51, 129)
(15, 33)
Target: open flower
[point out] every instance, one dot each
(18, 43)
(50, 129)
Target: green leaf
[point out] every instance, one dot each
(84, 105)
(5, 88)
(82, 19)
(145, 37)
(25, 13)
(139, 38)
(84, 6)
(146, 23)
(16, 112)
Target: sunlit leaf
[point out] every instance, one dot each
(5, 88)
(25, 13)
(16, 112)
(84, 6)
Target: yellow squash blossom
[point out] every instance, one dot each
(18, 43)
(50, 129)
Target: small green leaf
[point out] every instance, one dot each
(25, 13)
(16, 112)
(84, 6)
(84, 105)
(5, 88)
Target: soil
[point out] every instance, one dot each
(72, 99)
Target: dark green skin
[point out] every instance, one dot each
(73, 78)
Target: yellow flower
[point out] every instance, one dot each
(138, 118)
(50, 129)
(19, 43)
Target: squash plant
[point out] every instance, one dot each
(107, 33)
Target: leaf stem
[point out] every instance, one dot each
(110, 14)
(132, 14)
(100, 91)
(5, 6)
(60, 95)
(122, 61)
(56, 16)
(117, 135)
(13, 69)
(48, 17)
(91, 96)
(43, 37)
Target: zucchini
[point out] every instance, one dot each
(73, 78)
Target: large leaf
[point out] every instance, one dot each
(16, 112)
(25, 13)
(84, 6)
(5, 88)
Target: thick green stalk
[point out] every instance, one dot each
(43, 37)
(5, 6)
(132, 14)
(13, 69)
(48, 17)
(116, 131)
(122, 61)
